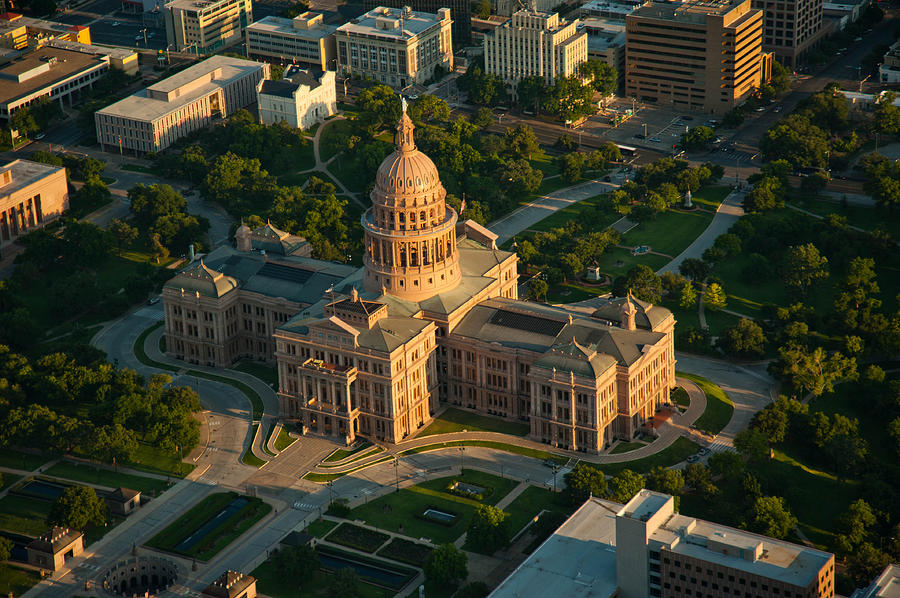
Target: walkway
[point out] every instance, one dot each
(321, 166)
(728, 213)
(541, 207)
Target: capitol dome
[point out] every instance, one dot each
(410, 230)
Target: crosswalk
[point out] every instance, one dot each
(721, 445)
(305, 506)
(89, 566)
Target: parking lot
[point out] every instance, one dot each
(110, 25)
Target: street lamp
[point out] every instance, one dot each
(330, 484)
(555, 470)
(397, 473)
(645, 129)
(462, 453)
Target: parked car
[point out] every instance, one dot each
(152, 300)
(704, 451)
(655, 139)
(778, 108)
(115, 24)
(687, 118)
(607, 179)
(639, 136)
(39, 136)
(693, 459)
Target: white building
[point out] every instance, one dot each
(301, 99)
(534, 44)
(889, 71)
(154, 118)
(206, 26)
(305, 39)
(396, 46)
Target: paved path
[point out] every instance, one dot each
(728, 213)
(535, 211)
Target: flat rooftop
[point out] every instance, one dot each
(414, 23)
(577, 561)
(143, 108)
(68, 63)
(197, 5)
(285, 27)
(888, 583)
(695, 11)
(25, 173)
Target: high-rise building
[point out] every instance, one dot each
(645, 549)
(534, 44)
(703, 55)
(304, 40)
(396, 46)
(460, 13)
(790, 27)
(206, 26)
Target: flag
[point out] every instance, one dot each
(462, 206)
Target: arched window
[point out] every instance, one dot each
(426, 259)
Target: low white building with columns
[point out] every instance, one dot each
(302, 98)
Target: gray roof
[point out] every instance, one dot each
(575, 358)
(281, 89)
(414, 23)
(200, 278)
(648, 316)
(273, 240)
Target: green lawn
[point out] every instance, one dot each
(104, 477)
(341, 454)
(357, 537)
(675, 453)
(25, 461)
(711, 197)
(745, 294)
(719, 321)
(328, 477)
(617, 262)
(573, 292)
(155, 460)
(502, 446)
(405, 551)
(284, 439)
(457, 420)
(16, 580)
(670, 233)
(358, 456)
(577, 211)
(681, 397)
(8, 480)
(141, 354)
(402, 511)
(626, 447)
(333, 138)
(532, 501)
(266, 373)
(320, 527)
(220, 536)
(248, 458)
(864, 217)
(718, 406)
(24, 515)
(272, 581)
(495, 487)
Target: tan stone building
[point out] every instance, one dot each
(31, 195)
(205, 26)
(305, 39)
(431, 318)
(51, 550)
(791, 28)
(534, 44)
(695, 55)
(231, 584)
(395, 46)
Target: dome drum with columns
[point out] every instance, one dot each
(410, 231)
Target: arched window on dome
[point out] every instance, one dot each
(439, 254)
(426, 258)
(402, 250)
(422, 216)
(413, 254)
(449, 247)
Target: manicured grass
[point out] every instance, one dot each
(248, 458)
(25, 461)
(711, 197)
(457, 420)
(137, 168)
(104, 477)
(17, 580)
(272, 581)
(266, 373)
(718, 406)
(254, 398)
(341, 454)
(502, 446)
(530, 503)
(155, 460)
(719, 321)
(220, 536)
(675, 453)
(573, 292)
(293, 179)
(265, 444)
(24, 515)
(333, 138)
(328, 477)
(320, 527)
(864, 217)
(670, 233)
(626, 447)
(357, 537)
(369, 452)
(680, 397)
(405, 551)
(578, 211)
(617, 261)
(284, 439)
(495, 487)
(141, 354)
(403, 510)
(8, 479)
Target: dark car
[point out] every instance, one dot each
(639, 136)
(607, 179)
(687, 118)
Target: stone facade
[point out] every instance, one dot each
(31, 195)
(302, 98)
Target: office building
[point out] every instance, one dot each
(397, 47)
(534, 44)
(32, 194)
(696, 55)
(886, 585)
(645, 549)
(610, 9)
(18, 32)
(154, 118)
(889, 70)
(305, 40)
(460, 13)
(59, 70)
(432, 316)
(506, 8)
(301, 98)
(791, 28)
(206, 26)
(606, 43)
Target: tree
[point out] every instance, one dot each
(299, 562)
(771, 517)
(815, 182)
(688, 298)
(582, 482)
(894, 433)
(6, 547)
(767, 194)
(530, 92)
(603, 77)
(727, 464)
(867, 563)
(855, 524)
(697, 476)
(745, 338)
(752, 444)
(345, 583)
(489, 529)
(77, 508)
(483, 9)
(475, 589)
(446, 565)
(625, 485)
(537, 288)
(124, 233)
(148, 204)
(663, 479)
(483, 118)
(519, 178)
(44, 8)
(697, 137)
(521, 143)
(815, 370)
(429, 109)
(695, 269)
(569, 99)
(781, 78)
(796, 139)
(714, 297)
(379, 106)
(644, 283)
(570, 166)
(887, 115)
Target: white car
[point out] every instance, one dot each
(115, 24)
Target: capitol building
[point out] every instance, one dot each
(431, 319)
